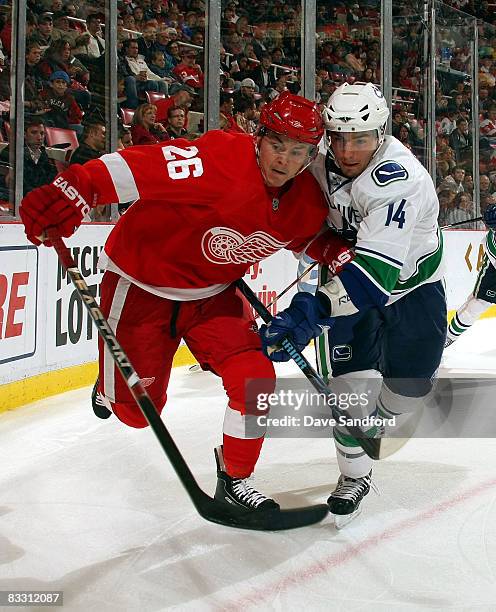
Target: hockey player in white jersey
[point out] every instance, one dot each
(388, 303)
(484, 293)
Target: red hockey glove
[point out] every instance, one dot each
(332, 250)
(62, 205)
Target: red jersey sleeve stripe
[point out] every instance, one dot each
(122, 177)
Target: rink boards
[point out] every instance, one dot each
(47, 342)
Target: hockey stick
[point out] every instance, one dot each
(297, 280)
(370, 445)
(209, 508)
(462, 222)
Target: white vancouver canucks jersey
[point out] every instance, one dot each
(393, 206)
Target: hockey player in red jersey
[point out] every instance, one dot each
(204, 212)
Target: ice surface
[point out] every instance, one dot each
(93, 508)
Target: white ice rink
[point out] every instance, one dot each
(93, 508)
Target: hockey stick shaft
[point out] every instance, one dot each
(129, 374)
(210, 509)
(297, 280)
(369, 445)
(462, 222)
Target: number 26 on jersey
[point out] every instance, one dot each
(182, 163)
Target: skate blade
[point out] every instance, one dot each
(341, 520)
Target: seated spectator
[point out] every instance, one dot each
(145, 129)
(158, 65)
(173, 50)
(64, 111)
(58, 57)
(91, 44)
(461, 141)
(246, 115)
(147, 42)
(245, 92)
(175, 122)
(488, 126)
(181, 97)
(146, 80)
(227, 121)
(43, 35)
(62, 29)
(38, 168)
(263, 75)
(453, 181)
(92, 145)
(461, 209)
(188, 71)
(125, 139)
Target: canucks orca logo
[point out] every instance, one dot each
(388, 172)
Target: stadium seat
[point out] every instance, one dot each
(127, 115)
(154, 96)
(60, 136)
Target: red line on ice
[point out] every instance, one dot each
(264, 592)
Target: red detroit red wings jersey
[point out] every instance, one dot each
(203, 214)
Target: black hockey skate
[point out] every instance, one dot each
(344, 501)
(237, 492)
(99, 404)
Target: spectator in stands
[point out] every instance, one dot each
(485, 186)
(453, 181)
(64, 111)
(468, 184)
(189, 71)
(91, 44)
(62, 29)
(461, 141)
(93, 144)
(38, 168)
(43, 35)
(158, 65)
(147, 42)
(460, 210)
(263, 76)
(174, 51)
(125, 139)
(485, 101)
(146, 80)
(259, 41)
(176, 118)
(227, 121)
(488, 126)
(58, 57)
(246, 115)
(181, 97)
(162, 40)
(280, 86)
(144, 127)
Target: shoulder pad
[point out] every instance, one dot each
(389, 172)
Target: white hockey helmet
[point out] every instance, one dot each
(360, 107)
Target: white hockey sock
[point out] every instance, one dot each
(466, 316)
(352, 459)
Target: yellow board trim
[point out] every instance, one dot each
(22, 392)
(487, 314)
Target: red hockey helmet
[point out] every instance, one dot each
(294, 117)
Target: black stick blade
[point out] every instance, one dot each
(271, 520)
